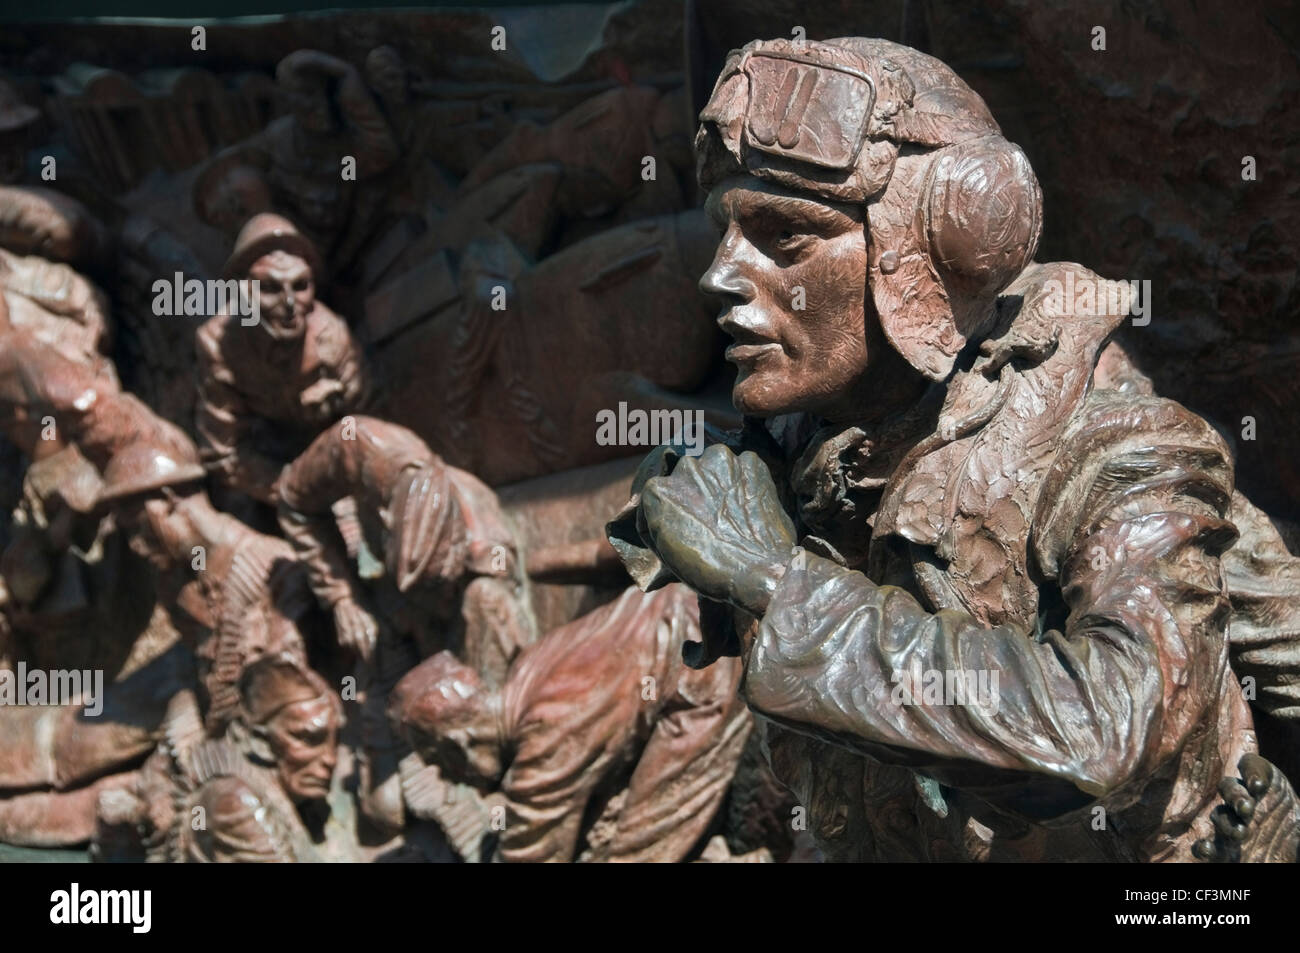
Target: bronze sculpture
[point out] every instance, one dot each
(251, 795)
(969, 588)
(297, 158)
(301, 371)
(450, 575)
(950, 499)
(247, 596)
(606, 748)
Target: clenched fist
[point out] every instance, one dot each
(717, 524)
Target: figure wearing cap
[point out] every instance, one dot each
(68, 417)
(930, 490)
(257, 755)
(72, 610)
(246, 598)
(450, 576)
(265, 391)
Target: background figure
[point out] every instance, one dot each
(604, 744)
(265, 792)
(266, 391)
(242, 594)
(447, 575)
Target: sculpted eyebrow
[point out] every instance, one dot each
(803, 212)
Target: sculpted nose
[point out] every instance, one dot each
(724, 277)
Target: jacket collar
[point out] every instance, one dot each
(962, 493)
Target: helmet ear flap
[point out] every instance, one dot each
(908, 293)
(953, 228)
(984, 215)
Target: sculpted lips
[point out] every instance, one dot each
(747, 346)
(744, 353)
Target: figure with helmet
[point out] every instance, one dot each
(928, 479)
(266, 391)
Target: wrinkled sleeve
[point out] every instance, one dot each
(1264, 586)
(1130, 537)
(685, 770)
(325, 473)
(354, 376)
(224, 423)
(344, 368)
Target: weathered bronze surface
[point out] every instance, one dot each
(933, 493)
(418, 456)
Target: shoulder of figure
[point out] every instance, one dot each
(1118, 444)
(239, 823)
(324, 320)
(229, 798)
(330, 334)
(1112, 424)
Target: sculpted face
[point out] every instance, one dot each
(461, 754)
(287, 291)
(303, 739)
(775, 242)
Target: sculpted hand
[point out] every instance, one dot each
(1258, 790)
(716, 521)
(357, 629)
